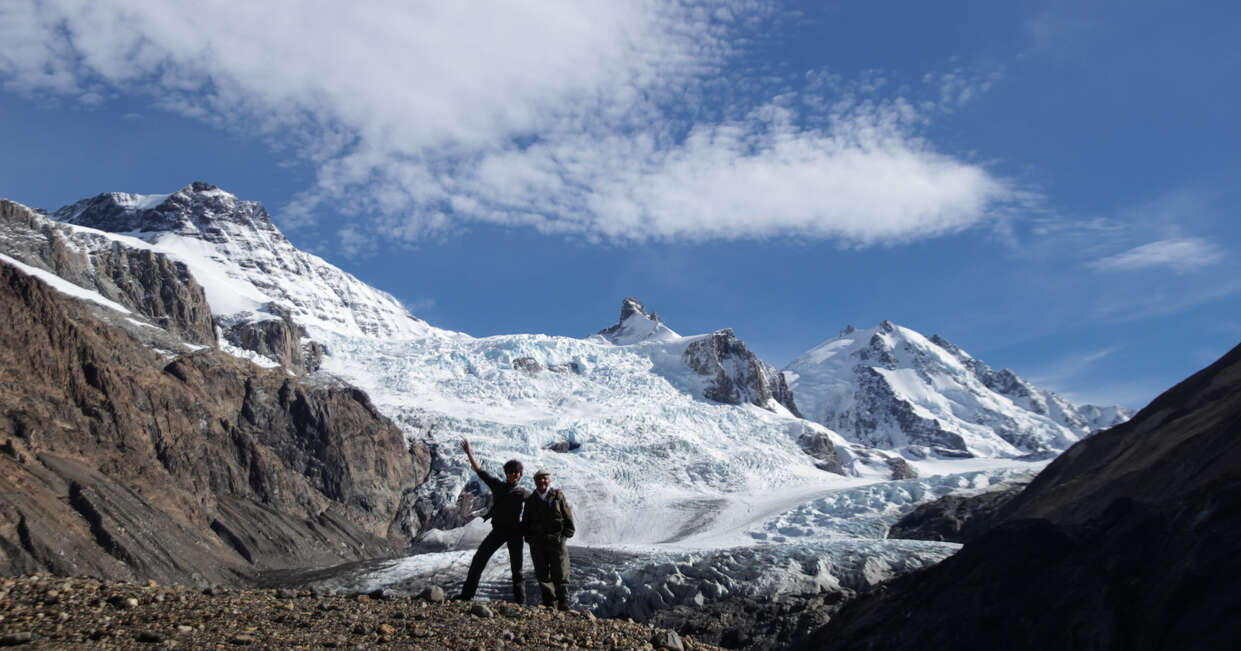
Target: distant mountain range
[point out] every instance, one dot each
(871, 399)
(211, 357)
(887, 387)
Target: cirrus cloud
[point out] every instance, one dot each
(568, 117)
(1176, 254)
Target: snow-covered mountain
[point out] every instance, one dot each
(670, 447)
(244, 262)
(892, 388)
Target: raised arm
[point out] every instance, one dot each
(492, 482)
(465, 445)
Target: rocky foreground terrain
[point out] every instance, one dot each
(44, 611)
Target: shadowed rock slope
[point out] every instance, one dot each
(1129, 540)
(954, 518)
(121, 462)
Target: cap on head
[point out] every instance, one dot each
(543, 472)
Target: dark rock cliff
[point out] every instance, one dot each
(954, 518)
(739, 376)
(1131, 539)
(879, 413)
(120, 463)
(279, 339)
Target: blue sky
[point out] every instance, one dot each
(1052, 186)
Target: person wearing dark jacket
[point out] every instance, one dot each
(507, 499)
(547, 522)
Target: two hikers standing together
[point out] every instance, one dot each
(541, 517)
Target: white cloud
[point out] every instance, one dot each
(1077, 378)
(1066, 370)
(1134, 394)
(561, 116)
(1176, 254)
(1057, 34)
(1137, 302)
(419, 306)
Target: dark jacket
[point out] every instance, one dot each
(506, 502)
(549, 521)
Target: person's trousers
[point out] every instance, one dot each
(494, 540)
(551, 569)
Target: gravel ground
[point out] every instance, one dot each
(44, 611)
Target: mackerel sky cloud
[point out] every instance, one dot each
(567, 117)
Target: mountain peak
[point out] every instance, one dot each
(632, 306)
(637, 325)
(200, 186)
(196, 210)
(244, 262)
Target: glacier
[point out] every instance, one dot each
(758, 546)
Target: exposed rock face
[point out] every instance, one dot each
(739, 375)
(124, 465)
(819, 446)
(954, 518)
(901, 469)
(149, 283)
(279, 339)
(883, 420)
(564, 445)
(528, 364)
(1128, 540)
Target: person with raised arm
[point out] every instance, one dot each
(507, 499)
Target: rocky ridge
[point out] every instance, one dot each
(1084, 419)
